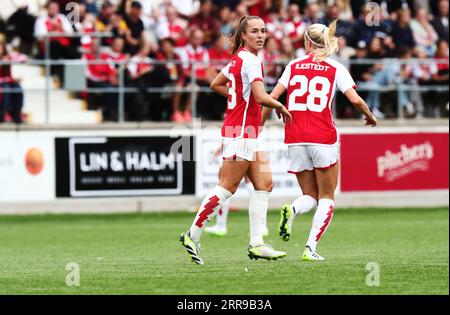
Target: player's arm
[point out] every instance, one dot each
(275, 94)
(220, 85)
(360, 105)
(261, 97)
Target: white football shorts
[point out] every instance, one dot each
(242, 148)
(310, 156)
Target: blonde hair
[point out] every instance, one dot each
(324, 40)
(235, 41)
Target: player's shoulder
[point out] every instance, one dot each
(248, 58)
(298, 60)
(334, 63)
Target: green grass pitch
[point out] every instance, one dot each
(140, 254)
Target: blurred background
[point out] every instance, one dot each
(89, 90)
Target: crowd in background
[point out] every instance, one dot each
(157, 39)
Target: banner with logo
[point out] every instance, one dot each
(397, 161)
(123, 166)
(209, 160)
(26, 166)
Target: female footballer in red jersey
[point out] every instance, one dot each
(312, 137)
(241, 80)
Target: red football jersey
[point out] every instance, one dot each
(243, 114)
(310, 90)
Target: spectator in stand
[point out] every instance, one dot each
(381, 75)
(287, 51)
(275, 25)
(440, 21)
(206, 21)
(135, 25)
(345, 52)
(219, 56)
(270, 56)
(10, 102)
(255, 7)
(194, 52)
(361, 73)
(344, 27)
(241, 10)
(172, 26)
(295, 26)
(136, 103)
(402, 34)
(231, 4)
(101, 74)
(186, 8)
(313, 13)
(111, 22)
(409, 73)
(344, 9)
(172, 62)
(91, 6)
(143, 74)
(424, 34)
(363, 30)
(60, 47)
(438, 75)
(226, 21)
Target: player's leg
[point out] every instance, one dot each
(303, 204)
(220, 228)
(327, 178)
(260, 175)
(232, 173)
(300, 164)
(250, 189)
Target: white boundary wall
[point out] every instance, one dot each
(24, 193)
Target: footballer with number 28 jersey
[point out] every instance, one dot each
(312, 137)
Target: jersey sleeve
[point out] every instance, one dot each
(344, 80)
(254, 70)
(284, 80)
(226, 71)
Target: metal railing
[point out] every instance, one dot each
(121, 89)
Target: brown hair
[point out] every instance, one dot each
(324, 40)
(235, 40)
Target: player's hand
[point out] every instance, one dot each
(371, 120)
(284, 113)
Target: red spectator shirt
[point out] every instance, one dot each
(5, 70)
(295, 28)
(220, 57)
(310, 91)
(200, 55)
(56, 25)
(99, 71)
(243, 114)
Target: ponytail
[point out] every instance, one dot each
(235, 41)
(324, 40)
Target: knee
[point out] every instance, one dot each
(265, 186)
(231, 188)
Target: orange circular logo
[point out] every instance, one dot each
(34, 161)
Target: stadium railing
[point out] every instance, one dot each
(121, 89)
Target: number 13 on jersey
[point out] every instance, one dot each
(316, 88)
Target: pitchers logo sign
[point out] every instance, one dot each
(393, 165)
(394, 161)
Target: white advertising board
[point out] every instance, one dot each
(209, 141)
(27, 171)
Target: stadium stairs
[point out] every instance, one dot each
(64, 109)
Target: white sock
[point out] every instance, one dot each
(321, 220)
(208, 209)
(222, 214)
(249, 186)
(257, 210)
(304, 204)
